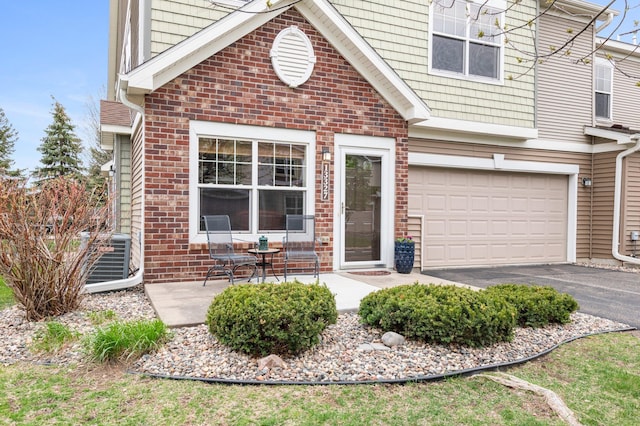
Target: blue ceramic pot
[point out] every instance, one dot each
(404, 254)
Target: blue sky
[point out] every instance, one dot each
(59, 48)
(50, 48)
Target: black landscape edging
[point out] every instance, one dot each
(435, 377)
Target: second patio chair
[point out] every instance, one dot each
(220, 242)
(300, 244)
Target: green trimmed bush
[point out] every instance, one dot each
(440, 314)
(537, 305)
(262, 319)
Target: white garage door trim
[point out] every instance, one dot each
(498, 163)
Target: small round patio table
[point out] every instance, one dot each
(264, 263)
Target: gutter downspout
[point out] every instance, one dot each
(137, 277)
(617, 195)
(606, 23)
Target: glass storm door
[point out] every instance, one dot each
(364, 201)
(362, 214)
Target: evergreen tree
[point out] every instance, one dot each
(8, 138)
(60, 148)
(96, 156)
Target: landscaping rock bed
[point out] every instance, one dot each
(194, 353)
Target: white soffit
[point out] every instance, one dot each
(115, 129)
(168, 65)
(618, 137)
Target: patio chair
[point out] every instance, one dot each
(300, 244)
(220, 244)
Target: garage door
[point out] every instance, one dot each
(474, 218)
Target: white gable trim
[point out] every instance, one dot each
(163, 68)
(185, 55)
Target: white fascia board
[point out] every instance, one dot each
(618, 46)
(342, 36)
(117, 130)
(496, 163)
(620, 138)
(436, 127)
(576, 7)
(534, 144)
(185, 55)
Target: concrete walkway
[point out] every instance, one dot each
(185, 303)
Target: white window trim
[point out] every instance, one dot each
(605, 63)
(198, 129)
(496, 4)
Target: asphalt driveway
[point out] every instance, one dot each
(601, 292)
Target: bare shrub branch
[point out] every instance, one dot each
(43, 258)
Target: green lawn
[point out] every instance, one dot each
(6, 295)
(598, 378)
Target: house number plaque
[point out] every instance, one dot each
(325, 181)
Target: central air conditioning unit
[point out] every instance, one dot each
(113, 263)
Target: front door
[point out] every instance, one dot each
(365, 207)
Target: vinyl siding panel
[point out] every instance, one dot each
(626, 94)
(123, 168)
(630, 205)
(136, 55)
(174, 20)
(565, 89)
(399, 31)
(416, 231)
(136, 196)
(603, 185)
(583, 245)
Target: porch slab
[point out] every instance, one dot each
(184, 304)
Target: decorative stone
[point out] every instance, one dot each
(379, 347)
(391, 339)
(365, 347)
(271, 361)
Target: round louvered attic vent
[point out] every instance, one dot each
(292, 57)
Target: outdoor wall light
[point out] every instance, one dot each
(326, 154)
(586, 181)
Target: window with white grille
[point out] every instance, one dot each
(603, 88)
(466, 40)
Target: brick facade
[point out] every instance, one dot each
(238, 85)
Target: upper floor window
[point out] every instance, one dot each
(465, 39)
(603, 88)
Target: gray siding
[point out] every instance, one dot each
(174, 20)
(626, 94)
(565, 89)
(630, 207)
(123, 168)
(603, 184)
(136, 196)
